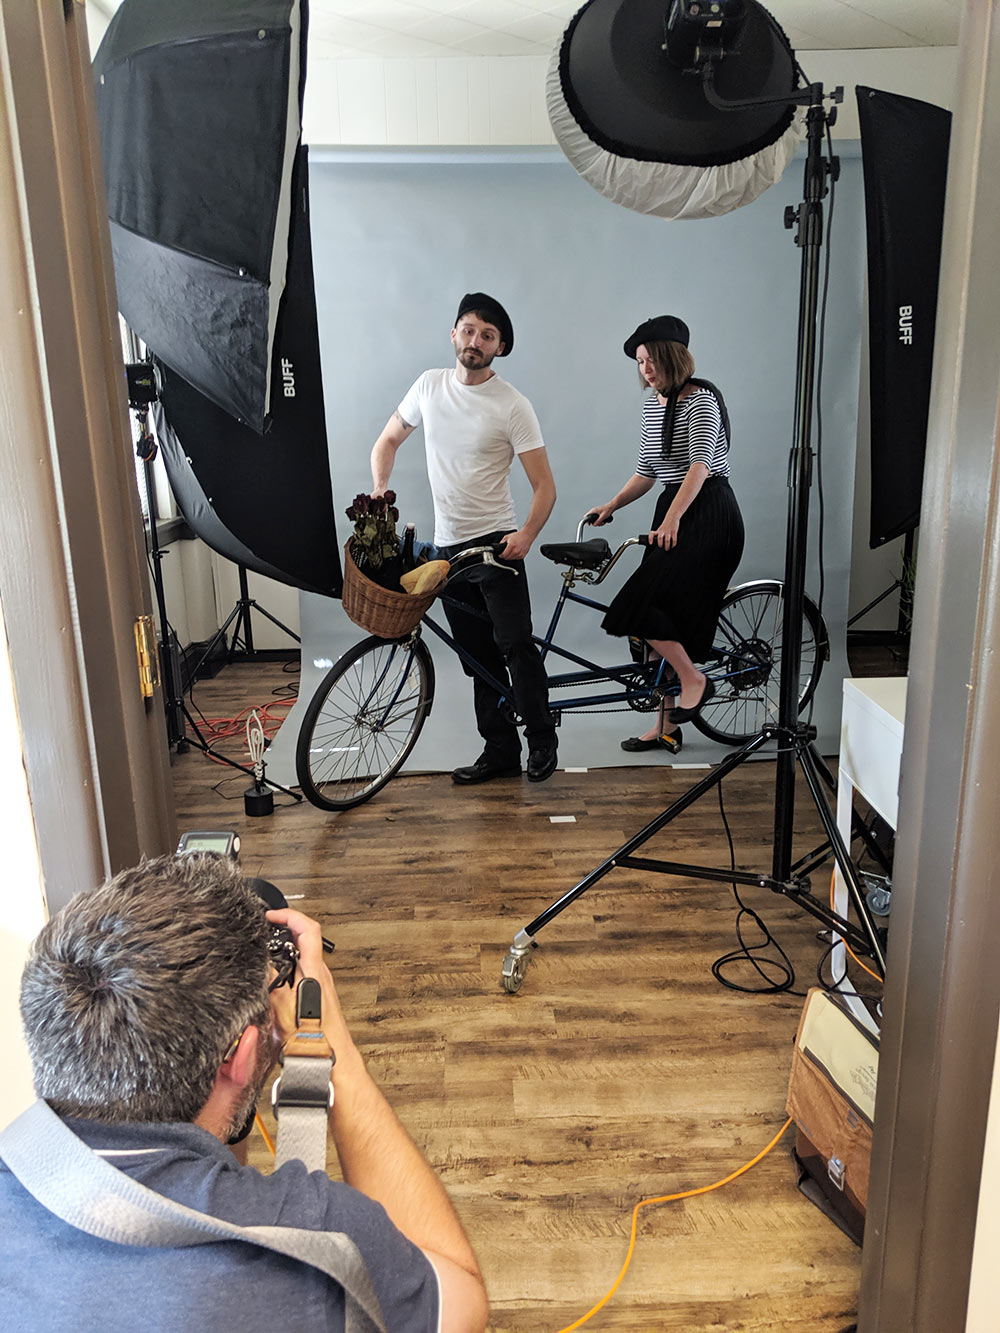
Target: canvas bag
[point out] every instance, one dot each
(831, 1097)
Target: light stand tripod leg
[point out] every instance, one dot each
(244, 624)
(243, 628)
(515, 962)
(246, 605)
(244, 616)
(842, 856)
(219, 635)
(262, 611)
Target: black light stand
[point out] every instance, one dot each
(903, 614)
(239, 618)
(793, 739)
(178, 713)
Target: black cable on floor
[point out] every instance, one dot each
(782, 973)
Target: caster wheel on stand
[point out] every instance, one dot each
(515, 964)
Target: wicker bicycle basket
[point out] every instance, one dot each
(381, 611)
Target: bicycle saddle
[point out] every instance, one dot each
(581, 555)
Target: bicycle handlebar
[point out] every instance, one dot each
(485, 555)
(588, 518)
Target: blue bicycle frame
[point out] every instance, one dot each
(625, 674)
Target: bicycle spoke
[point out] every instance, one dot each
(748, 660)
(363, 722)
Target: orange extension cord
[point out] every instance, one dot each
(221, 728)
(263, 1132)
(670, 1198)
(833, 880)
(643, 1203)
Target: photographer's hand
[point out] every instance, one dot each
(377, 1155)
(309, 942)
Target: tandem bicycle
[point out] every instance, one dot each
(366, 714)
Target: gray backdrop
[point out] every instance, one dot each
(398, 239)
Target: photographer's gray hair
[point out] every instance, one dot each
(133, 993)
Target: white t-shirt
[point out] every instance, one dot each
(471, 434)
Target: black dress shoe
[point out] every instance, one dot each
(689, 714)
(485, 770)
(670, 741)
(542, 762)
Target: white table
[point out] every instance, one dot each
(871, 746)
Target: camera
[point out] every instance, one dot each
(283, 953)
(281, 947)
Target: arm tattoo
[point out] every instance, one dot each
(405, 424)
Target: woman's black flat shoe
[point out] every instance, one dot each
(689, 714)
(671, 742)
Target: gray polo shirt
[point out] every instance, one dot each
(56, 1278)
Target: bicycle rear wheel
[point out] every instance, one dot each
(363, 721)
(746, 662)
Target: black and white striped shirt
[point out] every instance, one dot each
(698, 438)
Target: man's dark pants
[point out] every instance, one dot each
(504, 646)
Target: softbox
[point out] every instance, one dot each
(263, 501)
(198, 105)
(904, 149)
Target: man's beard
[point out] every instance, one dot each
(473, 359)
(251, 1093)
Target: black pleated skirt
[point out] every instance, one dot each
(677, 594)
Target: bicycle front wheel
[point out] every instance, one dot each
(363, 721)
(746, 665)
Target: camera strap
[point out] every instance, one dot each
(76, 1184)
(302, 1095)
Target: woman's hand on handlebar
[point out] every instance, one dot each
(600, 515)
(666, 534)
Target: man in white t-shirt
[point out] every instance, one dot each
(475, 424)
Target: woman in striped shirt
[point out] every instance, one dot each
(696, 541)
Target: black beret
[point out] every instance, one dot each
(659, 329)
(493, 313)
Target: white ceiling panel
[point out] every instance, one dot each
(434, 29)
(447, 29)
(498, 43)
(926, 25)
(495, 13)
(542, 29)
(836, 25)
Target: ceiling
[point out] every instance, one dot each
(387, 29)
(409, 29)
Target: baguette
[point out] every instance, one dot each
(426, 577)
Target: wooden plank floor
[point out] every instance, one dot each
(621, 1070)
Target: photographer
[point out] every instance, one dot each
(152, 1032)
